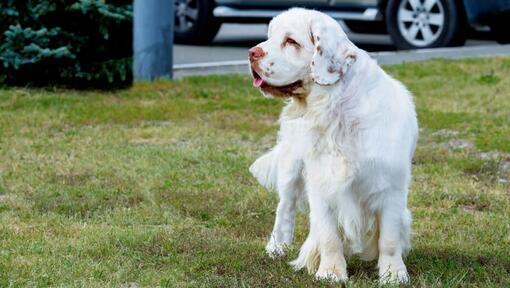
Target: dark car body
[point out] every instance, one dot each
(366, 16)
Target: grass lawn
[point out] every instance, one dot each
(150, 186)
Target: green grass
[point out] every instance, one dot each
(150, 186)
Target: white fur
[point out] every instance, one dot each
(347, 147)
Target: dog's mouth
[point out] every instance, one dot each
(258, 82)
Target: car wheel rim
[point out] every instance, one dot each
(421, 22)
(186, 14)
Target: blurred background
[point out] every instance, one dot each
(89, 43)
(374, 25)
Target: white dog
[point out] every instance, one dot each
(346, 141)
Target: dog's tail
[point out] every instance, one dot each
(264, 169)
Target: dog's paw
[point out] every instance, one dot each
(333, 274)
(276, 250)
(394, 276)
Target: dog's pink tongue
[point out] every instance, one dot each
(257, 82)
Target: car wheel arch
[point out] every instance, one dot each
(454, 27)
(460, 4)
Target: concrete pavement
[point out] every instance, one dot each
(383, 58)
(228, 52)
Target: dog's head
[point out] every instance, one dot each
(304, 48)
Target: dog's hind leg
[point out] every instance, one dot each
(395, 221)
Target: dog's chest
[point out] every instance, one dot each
(325, 164)
(322, 159)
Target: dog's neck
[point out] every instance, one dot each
(332, 101)
(334, 110)
(326, 105)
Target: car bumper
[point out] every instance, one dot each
(483, 12)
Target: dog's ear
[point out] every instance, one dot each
(334, 54)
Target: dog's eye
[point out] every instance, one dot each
(290, 41)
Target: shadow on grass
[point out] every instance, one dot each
(239, 264)
(454, 268)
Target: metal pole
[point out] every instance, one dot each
(153, 38)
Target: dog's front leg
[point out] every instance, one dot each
(322, 253)
(323, 221)
(290, 186)
(281, 169)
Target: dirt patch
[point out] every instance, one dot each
(459, 144)
(446, 132)
(504, 171)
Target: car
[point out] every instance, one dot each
(411, 24)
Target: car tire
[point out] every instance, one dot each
(366, 27)
(194, 22)
(412, 25)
